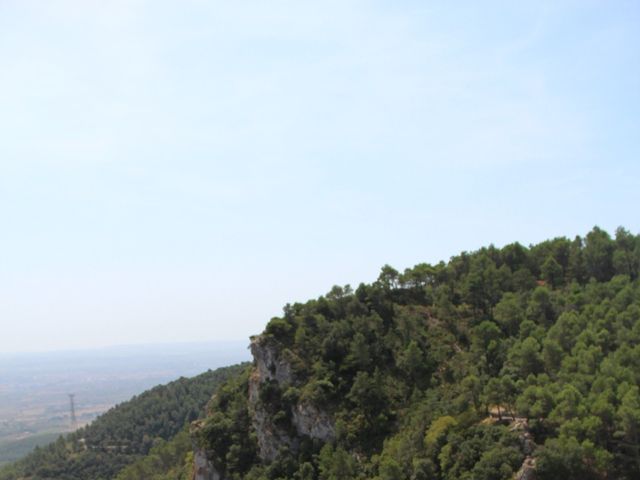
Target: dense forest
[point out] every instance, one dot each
(124, 434)
(513, 362)
(167, 460)
(504, 360)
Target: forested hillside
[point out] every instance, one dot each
(124, 434)
(172, 460)
(504, 362)
(514, 362)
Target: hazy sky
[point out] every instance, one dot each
(175, 171)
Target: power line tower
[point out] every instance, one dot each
(72, 406)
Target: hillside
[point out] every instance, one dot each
(514, 362)
(502, 363)
(124, 434)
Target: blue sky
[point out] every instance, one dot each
(176, 171)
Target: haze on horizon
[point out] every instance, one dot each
(178, 171)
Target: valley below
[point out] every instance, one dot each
(35, 387)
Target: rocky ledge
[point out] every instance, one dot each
(306, 419)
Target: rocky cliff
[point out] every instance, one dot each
(203, 468)
(303, 419)
(392, 380)
(528, 469)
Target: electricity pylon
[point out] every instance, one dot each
(72, 406)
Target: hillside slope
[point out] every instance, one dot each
(124, 434)
(501, 363)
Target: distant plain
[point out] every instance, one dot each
(35, 387)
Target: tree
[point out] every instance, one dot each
(540, 308)
(358, 356)
(629, 427)
(389, 278)
(577, 268)
(508, 313)
(552, 272)
(598, 254)
(390, 469)
(552, 354)
(525, 357)
(414, 365)
(500, 392)
(626, 257)
(336, 464)
(436, 433)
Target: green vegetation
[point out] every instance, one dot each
(411, 366)
(462, 370)
(172, 460)
(11, 449)
(124, 434)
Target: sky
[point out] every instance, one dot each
(179, 171)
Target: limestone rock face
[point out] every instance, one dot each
(527, 470)
(521, 426)
(314, 423)
(268, 361)
(203, 469)
(306, 419)
(270, 438)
